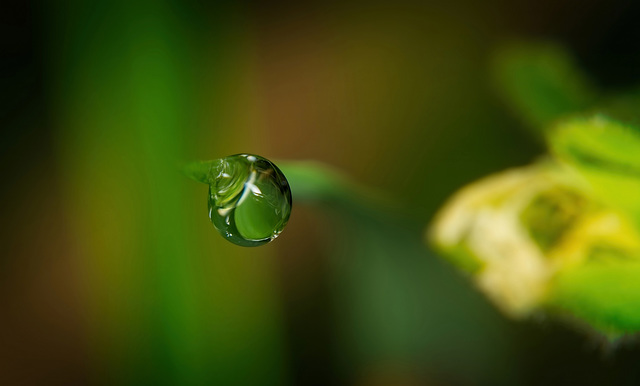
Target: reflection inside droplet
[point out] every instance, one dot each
(249, 199)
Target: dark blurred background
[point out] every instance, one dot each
(110, 271)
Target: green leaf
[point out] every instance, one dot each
(607, 154)
(606, 295)
(541, 82)
(199, 171)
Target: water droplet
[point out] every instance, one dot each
(249, 199)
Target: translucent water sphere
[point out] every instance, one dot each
(249, 199)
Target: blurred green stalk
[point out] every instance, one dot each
(123, 80)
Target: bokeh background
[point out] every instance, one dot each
(110, 272)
